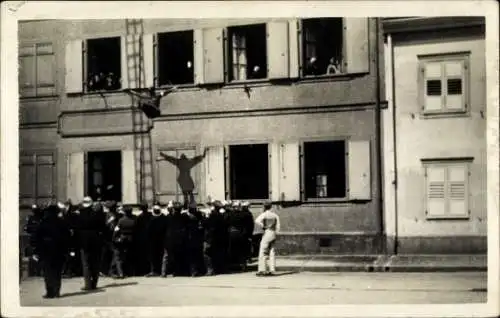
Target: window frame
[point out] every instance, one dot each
(156, 60)
(442, 59)
(302, 160)
(228, 55)
(85, 62)
(227, 168)
(302, 51)
(447, 163)
(35, 55)
(35, 199)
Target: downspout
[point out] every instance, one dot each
(394, 151)
(378, 135)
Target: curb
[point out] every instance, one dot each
(383, 269)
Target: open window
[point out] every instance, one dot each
(247, 52)
(175, 58)
(249, 172)
(325, 170)
(104, 175)
(104, 64)
(322, 46)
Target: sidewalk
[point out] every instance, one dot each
(380, 263)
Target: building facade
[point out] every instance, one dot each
(281, 110)
(435, 135)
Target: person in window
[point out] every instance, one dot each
(333, 67)
(312, 67)
(270, 223)
(185, 181)
(256, 72)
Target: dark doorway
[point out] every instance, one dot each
(104, 175)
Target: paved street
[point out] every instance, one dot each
(286, 289)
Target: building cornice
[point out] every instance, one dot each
(419, 24)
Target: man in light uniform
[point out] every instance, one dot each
(270, 223)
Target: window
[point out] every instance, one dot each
(447, 189)
(247, 47)
(444, 85)
(104, 178)
(175, 58)
(104, 64)
(322, 46)
(249, 172)
(36, 70)
(325, 170)
(37, 178)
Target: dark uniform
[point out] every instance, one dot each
(156, 233)
(52, 237)
(73, 263)
(141, 239)
(177, 237)
(249, 226)
(90, 226)
(238, 241)
(124, 240)
(108, 264)
(215, 240)
(32, 223)
(195, 242)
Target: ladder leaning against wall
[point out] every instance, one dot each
(141, 124)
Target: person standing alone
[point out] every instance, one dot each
(270, 223)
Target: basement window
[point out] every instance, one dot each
(322, 46)
(325, 170)
(175, 58)
(249, 171)
(247, 47)
(103, 64)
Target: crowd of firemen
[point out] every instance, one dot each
(96, 238)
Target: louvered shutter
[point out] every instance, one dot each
(290, 171)
(275, 154)
(214, 173)
(74, 66)
(433, 87)
(436, 191)
(457, 191)
(277, 49)
(454, 84)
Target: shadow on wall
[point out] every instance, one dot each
(185, 165)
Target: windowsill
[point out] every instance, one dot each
(249, 82)
(445, 113)
(184, 87)
(51, 96)
(448, 218)
(327, 200)
(331, 77)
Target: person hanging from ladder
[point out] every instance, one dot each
(150, 104)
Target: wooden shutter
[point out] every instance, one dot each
(453, 71)
(457, 191)
(214, 173)
(129, 181)
(435, 191)
(290, 171)
(148, 60)
(45, 178)
(357, 45)
(27, 173)
(75, 189)
(277, 49)
(167, 178)
(130, 59)
(213, 55)
(274, 154)
(293, 43)
(198, 56)
(74, 66)
(359, 167)
(432, 86)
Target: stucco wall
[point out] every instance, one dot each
(419, 138)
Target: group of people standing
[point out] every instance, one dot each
(178, 240)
